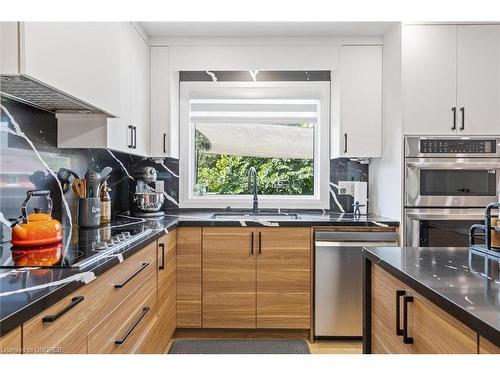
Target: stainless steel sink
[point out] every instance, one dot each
(265, 216)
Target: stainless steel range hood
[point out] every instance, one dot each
(27, 90)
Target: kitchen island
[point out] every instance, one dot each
(25, 292)
(430, 300)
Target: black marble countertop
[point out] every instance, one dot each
(464, 283)
(25, 292)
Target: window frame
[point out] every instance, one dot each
(320, 198)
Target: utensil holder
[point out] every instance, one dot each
(89, 212)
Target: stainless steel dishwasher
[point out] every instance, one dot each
(338, 296)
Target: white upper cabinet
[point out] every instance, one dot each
(430, 69)
(478, 80)
(451, 79)
(130, 131)
(77, 58)
(360, 131)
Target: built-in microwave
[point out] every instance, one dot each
(451, 172)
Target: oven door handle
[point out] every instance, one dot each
(445, 216)
(453, 165)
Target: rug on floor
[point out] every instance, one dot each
(239, 347)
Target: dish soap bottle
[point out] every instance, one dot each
(105, 204)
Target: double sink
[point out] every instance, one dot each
(250, 215)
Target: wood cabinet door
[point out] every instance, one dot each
(11, 342)
(434, 331)
(429, 75)
(189, 277)
(284, 278)
(228, 278)
(167, 288)
(487, 347)
(384, 318)
(478, 91)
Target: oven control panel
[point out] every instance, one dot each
(457, 146)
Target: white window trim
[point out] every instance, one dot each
(320, 199)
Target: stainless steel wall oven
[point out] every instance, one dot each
(448, 182)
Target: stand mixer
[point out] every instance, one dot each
(147, 201)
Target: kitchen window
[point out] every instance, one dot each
(279, 128)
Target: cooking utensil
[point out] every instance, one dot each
(63, 175)
(80, 188)
(105, 173)
(38, 228)
(93, 182)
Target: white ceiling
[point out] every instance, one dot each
(264, 29)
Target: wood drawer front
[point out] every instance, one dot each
(137, 312)
(64, 335)
(104, 296)
(167, 271)
(284, 278)
(384, 338)
(487, 347)
(189, 277)
(162, 332)
(229, 278)
(11, 342)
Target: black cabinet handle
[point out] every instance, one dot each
(52, 318)
(131, 144)
(164, 143)
(399, 294)
(135, 137)
(454, 110)
(162, 264)
(144, 265)
(462, 110)
(129, 331)
(406, 339)
(260, 243)
(251, 244)
(345, 143)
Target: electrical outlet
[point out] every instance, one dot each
(342, 190)
(160, 186)
(346, 187)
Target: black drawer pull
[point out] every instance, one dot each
(52, 318)
(345, 143)
(260, 243)
(131, 144)
(399, 294)
(406, 339)
(144, 265)
(162, 264)
(164, 143)
(135, 137)
(129, 331)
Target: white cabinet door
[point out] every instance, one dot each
(140, 67)
(78, 58)
(478, 92)
(361, 101)
(430, 68)
(160, 102)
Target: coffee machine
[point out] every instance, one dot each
(147, 201)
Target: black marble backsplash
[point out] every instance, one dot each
(28, 147)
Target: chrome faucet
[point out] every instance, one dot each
(252, 185)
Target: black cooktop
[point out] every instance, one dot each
(79, 248)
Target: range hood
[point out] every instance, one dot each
(29, 91)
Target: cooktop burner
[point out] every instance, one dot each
(79, 249)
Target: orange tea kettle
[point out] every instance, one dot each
(38, 228)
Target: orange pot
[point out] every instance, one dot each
(37, 229)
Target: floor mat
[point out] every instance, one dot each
(239, 347)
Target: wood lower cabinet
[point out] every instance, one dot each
(189, 277)
(430, 329)
(229, 278)
(257, 278)
(284, 278)
(11, 342)
(487, 347)
(126, 328)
